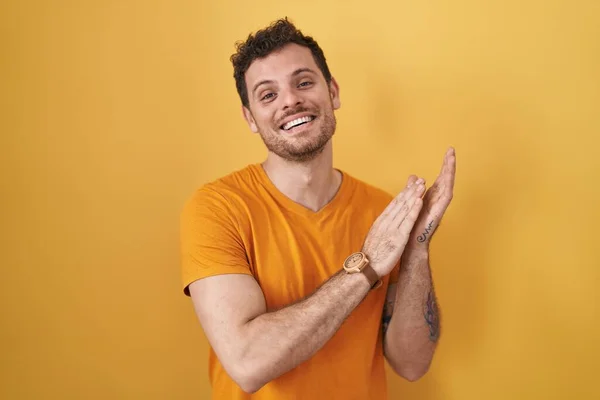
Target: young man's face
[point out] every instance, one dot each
(291, 105)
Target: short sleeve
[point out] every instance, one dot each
(210, 240)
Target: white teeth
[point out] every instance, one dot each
(297, 121)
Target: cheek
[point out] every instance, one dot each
(270, 119)
(263, 118)
(266, 123)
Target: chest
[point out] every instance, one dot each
(291, 255)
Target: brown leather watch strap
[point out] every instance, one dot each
(372, 276)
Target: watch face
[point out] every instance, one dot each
(354, 260)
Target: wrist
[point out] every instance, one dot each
(359, 263)
(417, 245)
(415, 254)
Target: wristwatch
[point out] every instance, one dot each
(358, 262)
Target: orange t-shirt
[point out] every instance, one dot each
(242, 224)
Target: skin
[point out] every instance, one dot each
(411, 332)
(299, 164)
(231, 308)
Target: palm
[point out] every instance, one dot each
(436, 200)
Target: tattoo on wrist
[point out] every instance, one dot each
(432, 317)
(423, 237)
(388, 309)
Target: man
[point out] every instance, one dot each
(303, 277)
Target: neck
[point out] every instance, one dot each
(311, 184)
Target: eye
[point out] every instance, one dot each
(305, 83)
(267, 96)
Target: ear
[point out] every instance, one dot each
(249, 119)
(334, 92)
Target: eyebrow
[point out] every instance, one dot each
(296, 72)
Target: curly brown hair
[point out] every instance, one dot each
(264, 42)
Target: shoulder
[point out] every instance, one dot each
(224, 191)
(215, 211)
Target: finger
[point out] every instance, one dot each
(396, 203)
(452, 167)
(408, 222)
(450, 155)
(416, 188)
(411, 180)
(449, 172)
(430, 195)
(415, 193)
(399, 207)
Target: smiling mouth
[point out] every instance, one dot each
(297, 122)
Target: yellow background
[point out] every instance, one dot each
(113, 112)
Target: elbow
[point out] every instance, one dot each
(246, 377)
(245, 380)
(411, 373)
(411, 366)
(249, 386)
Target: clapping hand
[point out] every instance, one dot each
(435, 202)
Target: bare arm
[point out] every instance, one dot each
(411, 319)
(256, 346)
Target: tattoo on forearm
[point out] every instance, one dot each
(423, 237)
(432, 317)
(385, 323)
(388, 309)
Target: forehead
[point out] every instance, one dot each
(280, 64)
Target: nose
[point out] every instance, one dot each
(291, 98)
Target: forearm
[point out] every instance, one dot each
(276, 342)
(413, 331)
